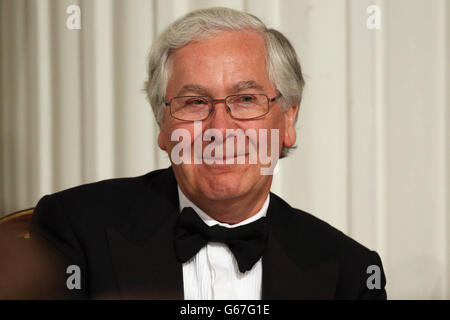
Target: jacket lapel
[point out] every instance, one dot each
(291, 267)
(141, 248)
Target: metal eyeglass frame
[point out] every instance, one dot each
(213, 101)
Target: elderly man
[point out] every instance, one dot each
(225, 91)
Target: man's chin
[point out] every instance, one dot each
(221, 181)
(222, 193)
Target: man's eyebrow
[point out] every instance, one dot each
(242, 85)
(192, 88)
(238, 87)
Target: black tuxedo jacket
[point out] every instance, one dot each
(119, 232)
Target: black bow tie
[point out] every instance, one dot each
(246, 242)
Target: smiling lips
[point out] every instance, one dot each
(224, 158)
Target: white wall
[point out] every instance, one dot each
(373, 132)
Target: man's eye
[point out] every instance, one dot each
(246, 99)
(195, 102)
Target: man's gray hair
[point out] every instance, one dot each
(283, 68)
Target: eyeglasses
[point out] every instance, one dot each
(240, 106)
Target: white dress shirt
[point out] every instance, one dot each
(213, 272)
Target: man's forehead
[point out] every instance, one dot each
(233, 54)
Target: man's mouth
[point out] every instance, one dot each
(225, 158)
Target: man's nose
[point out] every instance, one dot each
(221, 117)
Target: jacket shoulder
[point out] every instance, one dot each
(103, 200)
(307, 228)
(109, 187)
(311, 241)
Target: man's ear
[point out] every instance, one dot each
(290, 134)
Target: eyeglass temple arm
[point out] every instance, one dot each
(276, 98)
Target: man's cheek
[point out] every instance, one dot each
(180, 146)
(269, 149)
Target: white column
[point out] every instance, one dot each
(315, 177)
(415, 149)
(136, 129)
(43, 148)
(66, 98)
